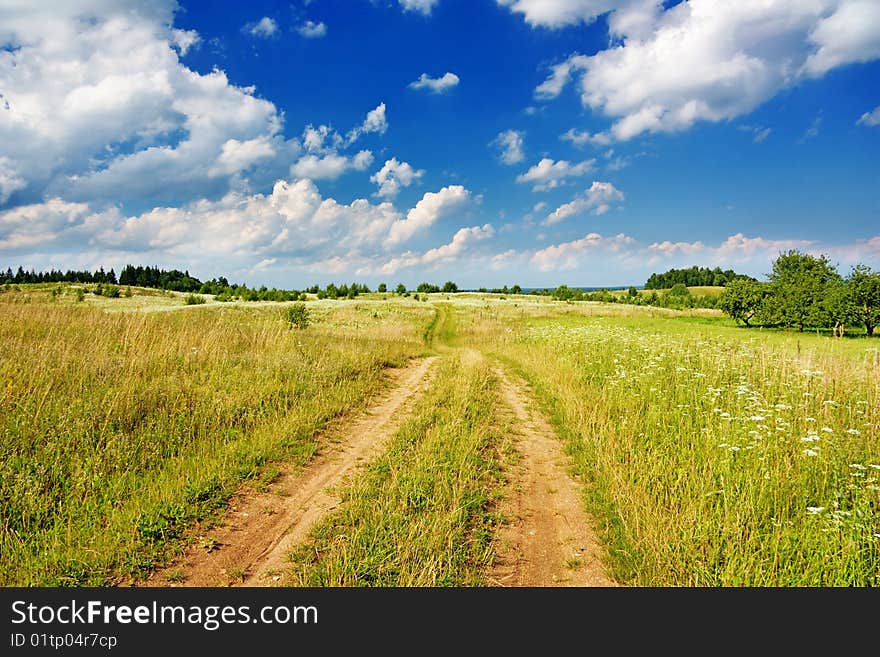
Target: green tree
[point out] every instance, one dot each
(802, 285)
(515, 289)
(297, 315)
(632, 292)
(382, 288)
(400, 289)
(449, 286)
(863, 293)
(743, 299)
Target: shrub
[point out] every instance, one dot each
(111, 292)
(194, 299)
(297, 315)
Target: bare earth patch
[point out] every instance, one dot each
(549, 540)
(250, 547)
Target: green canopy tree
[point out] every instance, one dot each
(743, 299)
(863, 293)
(802, 285)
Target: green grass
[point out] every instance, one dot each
(120, 431)
(713, 455)
(423, 513)
(710, 454)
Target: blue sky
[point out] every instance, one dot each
(539, 142)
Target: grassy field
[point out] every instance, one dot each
(121, 429)
(713, 455)
(709, 454)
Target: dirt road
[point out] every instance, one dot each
(549, 540)
(260, 528)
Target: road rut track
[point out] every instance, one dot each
(549, 539)
(260, 528)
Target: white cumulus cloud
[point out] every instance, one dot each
(264, 28)
(569, 255)
(421, 6)
(393, 176)
(597, 199)
(548, 174)
(462, 239)
(432, 206)
(510, 144)
(97, 105)
(375, 121)
(312, 30)
(712, 60)
(437, 85)
(559, 13)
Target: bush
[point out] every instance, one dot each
(111, 292)
(194, 300)
(297, 315)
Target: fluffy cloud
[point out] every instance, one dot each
(510, 143)
(374, 122)
(582, 137)
(312, 30)
(559, 13)
(29, 226)
(292, 220)
(598, 199)
(393, 176)
(99, 107)
(871, 118)
(437, 85)
(432, 206)
(447, 252)
(709, 60)
(264, 28)
(183, 40)
(548, 174)
(569, 255)
(421, 6)
(362, 161)
(328, 167)
(238, 155)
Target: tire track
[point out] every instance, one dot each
(550, 539)
(260, 529)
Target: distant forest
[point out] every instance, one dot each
(693, 277)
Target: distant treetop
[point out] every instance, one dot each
(693, 277)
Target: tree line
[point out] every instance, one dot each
(806, 291)
(693, 277)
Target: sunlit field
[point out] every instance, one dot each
(121, 429)
(709, 455)
(714, 455)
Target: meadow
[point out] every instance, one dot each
(709, 455)
(121, 429)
